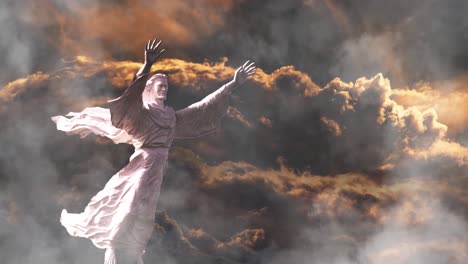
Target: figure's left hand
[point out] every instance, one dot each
(151, 51)
(244, 71)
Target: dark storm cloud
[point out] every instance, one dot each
(290, 207)
(406, 40)
(303, 215)
(337, 119)
(107, 29)
(336, 173)
(23, 51)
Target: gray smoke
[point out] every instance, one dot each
(42, 170)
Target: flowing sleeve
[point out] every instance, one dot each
(117, 122)
(203, 117)
(93, 120)
(126, 110)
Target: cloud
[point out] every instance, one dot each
(9, 92)
(369, 55)
(304, 214)
(363, 115)
(104, 29)
(449, 99)
(438, 237)
(304, 169)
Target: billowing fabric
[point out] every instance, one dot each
(121, 216)
(96, 120)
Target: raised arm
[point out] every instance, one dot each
(151, 56)
(240, 76)
(204, 116)
(126, 110)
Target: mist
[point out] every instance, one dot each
(348, 146)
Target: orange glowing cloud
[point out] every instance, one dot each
(181, 73)
(450, 102)
(83, 29)
(418, 134)
(15, 88)
(265, 121)
(333, 196)
(369, 105)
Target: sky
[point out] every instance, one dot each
(349, 145)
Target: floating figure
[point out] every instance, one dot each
(120, 218)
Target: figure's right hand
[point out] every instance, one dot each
(151, 51)
(243, 72)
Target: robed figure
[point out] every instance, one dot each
(120, 218)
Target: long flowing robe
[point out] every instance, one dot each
(121, 215)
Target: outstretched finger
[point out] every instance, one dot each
(157, 44)
(253, 69)
(250, 67)
(152, 43)
(245, 64)
(160, 54)
(148, 45)
(251, 72)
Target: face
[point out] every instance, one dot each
(160, 89)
